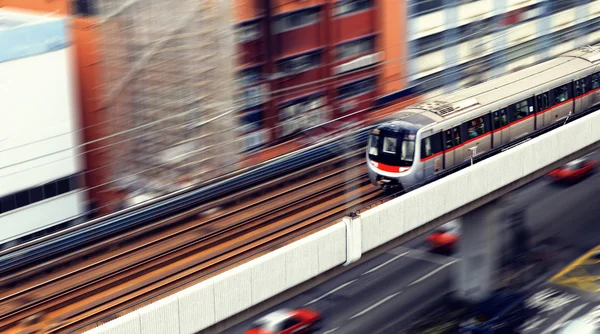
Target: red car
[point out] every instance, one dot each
(445, 237)
(574, 170)
(287, 322)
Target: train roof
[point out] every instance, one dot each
(409, 118)
(499, 88)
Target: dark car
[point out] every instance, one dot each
(504, 312)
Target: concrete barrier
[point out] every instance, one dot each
(269, 275)
(160, 317)
(403, 214)
(237, 289)
(127, 324)
(353, 240)
(233, 291)
(193, 313)
(247, 285)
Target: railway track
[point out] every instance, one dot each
(104, 279)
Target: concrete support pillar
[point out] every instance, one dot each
(478, 253)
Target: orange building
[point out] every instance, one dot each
(305, 63)
(301, 63)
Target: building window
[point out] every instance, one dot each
(254, 140)
(249, 76)
(247, 32)
(300, 63)
(297, 19)
(344, 7)
(355, 47)
(248, 80)
(427, 44)
(302, 113)
(252, 120)
(425, 6)
(84, 7)
(37, 194)
(356, 88)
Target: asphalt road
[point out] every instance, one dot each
(386, 294)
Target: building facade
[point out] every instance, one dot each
(458, 43)
(41, 161)
(303, 64)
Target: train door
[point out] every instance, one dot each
(478, 139)
(580, 89)
(594, 96)
(457, 140)
(543, 117)
(432, 158)
(501, 133)
(521, 124)
(560, 102)
(448, 149)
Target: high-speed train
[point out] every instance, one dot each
(431, 136)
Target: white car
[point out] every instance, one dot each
(580, 326)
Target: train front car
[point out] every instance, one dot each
(391, 154)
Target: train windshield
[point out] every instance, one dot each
(395, 149)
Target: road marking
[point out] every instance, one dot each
(533, 323)
(375, 305)
(432, 273)
(550, 299)
(331, 330)
(593, 316)
(330, 292)
(564, 318)
(386, 263)
(419, 254)
(574, 264)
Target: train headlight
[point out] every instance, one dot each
(374, 164)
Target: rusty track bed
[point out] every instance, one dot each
(103, 280)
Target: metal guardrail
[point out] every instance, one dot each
(78, 236)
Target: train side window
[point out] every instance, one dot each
(373, 145)
(431, 145)
(448, 139)
(475, 127)
(456, 135)
(521, 109)
(595, 80)
(561, 94)
(426, 144)
(583, 86)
